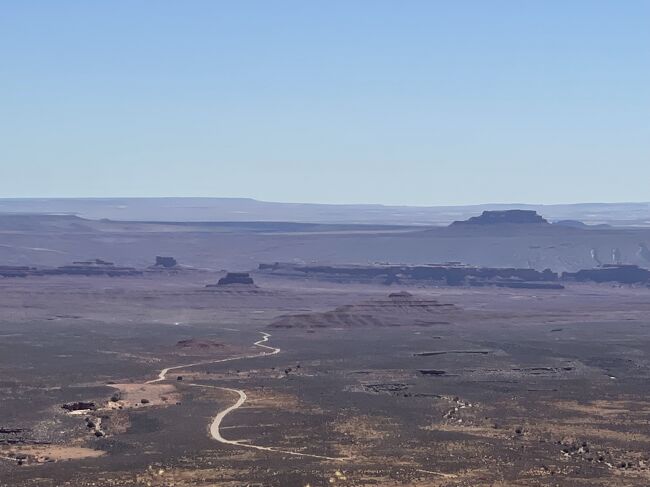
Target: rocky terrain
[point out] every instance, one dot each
(498, 353)
(419, 386)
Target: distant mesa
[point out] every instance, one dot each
(233, 278)
(450, 274)
(93, 262)
(400, 296)
(16, 271)
(621, 273)
(497, 217)
(94, 267)
(166, 262)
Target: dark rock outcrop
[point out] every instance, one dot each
(93, 262)
(95, 267)
(16, 271)
(624, 274)
(194, 344)
(13, 436)
(517, 217)
(433, 372)
(235, 278)
(166, 262)
(401, 295)
(79, 406)
(452, 274)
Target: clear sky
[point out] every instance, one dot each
(398, 102)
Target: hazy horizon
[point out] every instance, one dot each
(320, 203)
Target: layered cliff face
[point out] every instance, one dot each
(517, 217)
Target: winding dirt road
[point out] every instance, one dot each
(215, 426)
(265, 338)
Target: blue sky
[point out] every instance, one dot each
(396, 102)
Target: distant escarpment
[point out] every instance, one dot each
(621, 273)
(16, 271)
(518, 217)
(452, 274)
(96, 267)
(457, 274)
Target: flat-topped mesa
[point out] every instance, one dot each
(16, 271)
(93, 262)
(452, 274)
(235, 278)
(166, 262)
(621, 273)
(95, 267)
(496, 217)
